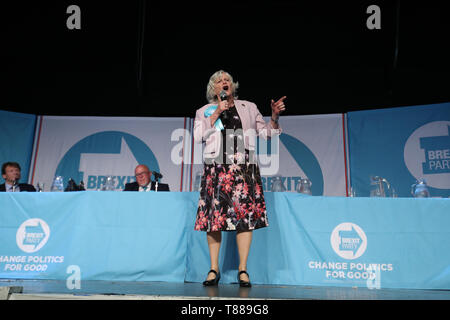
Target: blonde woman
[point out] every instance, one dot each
(231, 194)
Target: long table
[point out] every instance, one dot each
(132, 236)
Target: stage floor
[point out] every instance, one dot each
(57, 289)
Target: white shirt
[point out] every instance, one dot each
(146, 188)
(8, 187)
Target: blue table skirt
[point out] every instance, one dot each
(337, 241)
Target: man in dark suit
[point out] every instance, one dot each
(143, 181)
(11, 174)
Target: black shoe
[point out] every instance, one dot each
(243, 284)
(213, 282)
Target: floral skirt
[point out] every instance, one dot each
(231, 198)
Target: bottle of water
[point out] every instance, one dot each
(420, 190)
(304, 186)
(277, 184)
(58, 184)
(109, 184)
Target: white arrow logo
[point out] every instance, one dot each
(108, 164)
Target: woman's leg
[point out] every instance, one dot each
(244, 240)
(214, 240)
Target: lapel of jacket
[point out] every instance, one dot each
(241, 109)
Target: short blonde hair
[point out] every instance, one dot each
(211, 95)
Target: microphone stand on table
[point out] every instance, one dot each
(157, 176)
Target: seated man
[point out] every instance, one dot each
(11, 174)
(143, 181)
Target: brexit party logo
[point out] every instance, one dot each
(427, 154)
(303, 157)
(32, 235)
(103, 154)
(348, 240)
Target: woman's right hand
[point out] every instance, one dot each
(222, 105)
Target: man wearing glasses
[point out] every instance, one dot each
(143, 181)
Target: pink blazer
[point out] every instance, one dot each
(252, 124)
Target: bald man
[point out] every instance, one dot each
(143, 181)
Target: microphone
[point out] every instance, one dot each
(224, 96)
(14, 185)
(157, 175)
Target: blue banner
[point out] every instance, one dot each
(401, 145)
(339, 241)
(149, 236)
(133, 236)
(16, 140)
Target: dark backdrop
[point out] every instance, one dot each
(154, 58)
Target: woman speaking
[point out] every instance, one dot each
(231, 195)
